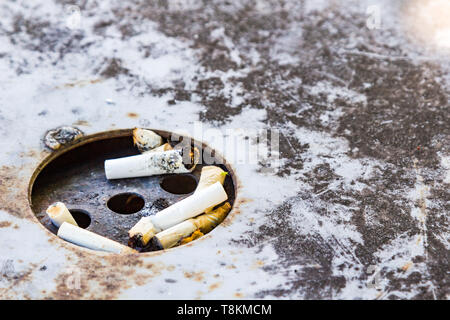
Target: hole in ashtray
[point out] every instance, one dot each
(126, 203)
(81, 217)
(179, 184)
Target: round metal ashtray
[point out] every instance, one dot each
(75, 175)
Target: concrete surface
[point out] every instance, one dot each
(359, 208)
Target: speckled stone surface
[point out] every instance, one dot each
(360, 206)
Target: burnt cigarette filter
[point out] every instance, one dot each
(146, 140)
(183, 231)
(58, 213)
(149, 164)
(90, 240)
(187, 208)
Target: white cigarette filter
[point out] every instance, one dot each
(146, 139)
(58, 213)
(203, 224)
(90, 240)
(187, 208)
(210, 175)
(147, 164)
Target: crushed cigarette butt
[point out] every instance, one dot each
(146, 140)
(58, 213)
(60, 136)
(142, 232)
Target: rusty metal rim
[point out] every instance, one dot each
(104, 135)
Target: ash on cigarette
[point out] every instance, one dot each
(168, 161)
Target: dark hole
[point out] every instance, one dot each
(81, 217)
(126, 203)
(179, 184)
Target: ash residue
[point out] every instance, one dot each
(406, 108)
(300, 233)
(155, 207)
(160, 204)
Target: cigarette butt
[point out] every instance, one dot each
(141, 233)
(147, 164)
(90, 240)
(170, 237)
(210, 175)
(184, 231)
(187, 208)
(145, 139)
(58, 213)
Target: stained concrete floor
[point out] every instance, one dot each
(359, 207)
